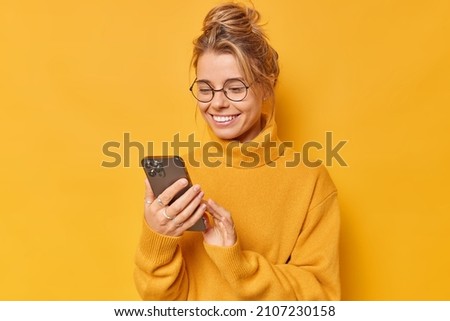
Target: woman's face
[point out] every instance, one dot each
(229, 120)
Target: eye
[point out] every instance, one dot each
(202, 88)
(202, 91)
(236, 89)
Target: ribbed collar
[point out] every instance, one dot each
(263, 149)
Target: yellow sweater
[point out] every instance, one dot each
(287, 223)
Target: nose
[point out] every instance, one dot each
(219, 100)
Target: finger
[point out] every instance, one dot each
(149, 197)
(186, 205)
(172, 190)
(224, 220)
(212, 210)
(148, 189)
(184, 200)
(228, 227)
(192, 210)
(228, 234)
(207, 220)
(191, 220)
(223, 230)
(217, 211)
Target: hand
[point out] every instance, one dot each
(173, 220)
(222, 232)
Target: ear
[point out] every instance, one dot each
(273, 79)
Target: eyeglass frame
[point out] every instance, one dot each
(218, 90)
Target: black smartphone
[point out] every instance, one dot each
(163, 171)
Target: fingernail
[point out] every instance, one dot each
(201, 194)
(196, 188)
(183, 182)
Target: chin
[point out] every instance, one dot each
(226, 135)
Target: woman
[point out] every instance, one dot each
(272, 229)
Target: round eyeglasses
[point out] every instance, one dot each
(234, 89)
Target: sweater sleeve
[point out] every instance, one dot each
(160, 270)
(311, 273)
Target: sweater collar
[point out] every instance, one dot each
(264, 149)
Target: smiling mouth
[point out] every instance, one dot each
(223, 119)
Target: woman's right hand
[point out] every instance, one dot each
(173, 220)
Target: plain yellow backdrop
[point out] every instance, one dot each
(75, 75)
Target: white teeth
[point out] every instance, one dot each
(223, 119)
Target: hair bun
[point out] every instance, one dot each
(233, 19)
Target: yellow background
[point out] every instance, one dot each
(77, 74)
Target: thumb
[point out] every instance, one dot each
(208, 223)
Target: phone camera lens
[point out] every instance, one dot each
(152, 172)
(147, 163)
(178, 161)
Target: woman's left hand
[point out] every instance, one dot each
(222, 232)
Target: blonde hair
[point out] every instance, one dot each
(234, 28)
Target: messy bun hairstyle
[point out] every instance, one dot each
(234, 29)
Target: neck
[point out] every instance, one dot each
(264, 149)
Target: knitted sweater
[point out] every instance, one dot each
(287, 224)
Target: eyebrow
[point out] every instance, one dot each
(234, 78)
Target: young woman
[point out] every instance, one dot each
(273, 225)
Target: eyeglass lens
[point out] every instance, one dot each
(234, 90)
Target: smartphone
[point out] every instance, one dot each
(163, 171)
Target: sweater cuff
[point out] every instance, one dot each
(157, 248)
(230, 261)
